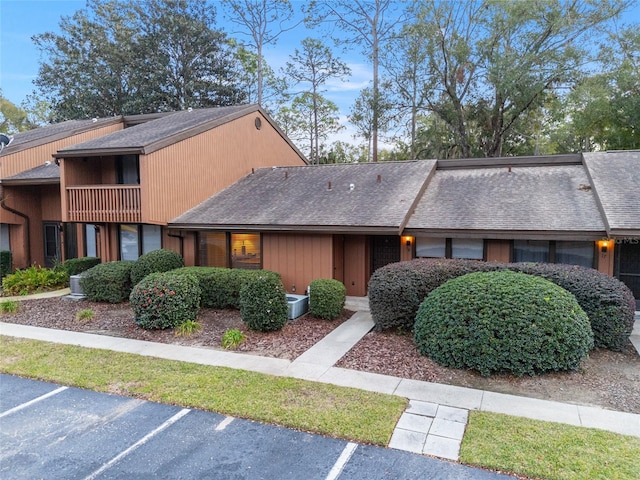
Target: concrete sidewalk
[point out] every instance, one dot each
(434, 423)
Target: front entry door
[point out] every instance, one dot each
(51, 244)
(628, 266)
(384, 250)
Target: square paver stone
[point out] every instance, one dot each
(452, 413)
(419, 407)
(415, 423)
(447, 428)
(407, 440)
(442, 447)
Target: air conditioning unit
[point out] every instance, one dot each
(74, 286)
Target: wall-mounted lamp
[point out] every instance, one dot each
(407, 241)
(604, 245)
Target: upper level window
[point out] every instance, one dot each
(128, 169)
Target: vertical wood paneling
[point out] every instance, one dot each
(356, 267)
(605, 260)
(205, 164)
(498, 250)
(298, 258)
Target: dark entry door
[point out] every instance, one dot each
(51, 244)
(384, 250)
(628, 265)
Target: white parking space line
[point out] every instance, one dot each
(342, 461)
(31, 402)
(224, 424)
(139, 443)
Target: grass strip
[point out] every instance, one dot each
(548, 450)
(341, 412)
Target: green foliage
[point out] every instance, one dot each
(326, 298)
(188, 328)
(263, 302)
(74, 266)
(107, 282)
(165, 300)
(503, 322)
(198, 73)
(34, 279)
(86, 314)
(396, 291)
(6, 266)
(9, 306)
(220, 286)
(161, 260)
(608, 302)
(232, 338)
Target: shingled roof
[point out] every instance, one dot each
(616, 178)
(50, 133)
(158, 133)
(371, 197)
(502, 201)
(48, 173)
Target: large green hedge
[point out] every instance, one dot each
(396, 291)
(503, 321)
(74, 266)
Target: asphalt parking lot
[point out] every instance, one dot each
(53, 432)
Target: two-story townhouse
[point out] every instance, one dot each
(112, 195)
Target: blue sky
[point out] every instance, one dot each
(19, 58)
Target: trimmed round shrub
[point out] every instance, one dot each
(263, 302)
(165, 300)
(397, 290)
(155, 261)
(607, 301)
(503, 322)
(326, 298)
(107, 282)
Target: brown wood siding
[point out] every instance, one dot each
(604, 260)
(33, 157)
(498, 250)
(39, 203)
(205, 164)
(298, 258)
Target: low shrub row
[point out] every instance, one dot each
(397, 290)
(34, 279)
(504, 321)
(161, 260)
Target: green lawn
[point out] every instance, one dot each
(510, 444)
(549, 450)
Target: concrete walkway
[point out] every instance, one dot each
(433, 424)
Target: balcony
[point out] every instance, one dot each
(104, 203)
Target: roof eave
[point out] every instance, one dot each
(509, 234)
(326, 229)
(99, 152)
(30, 181)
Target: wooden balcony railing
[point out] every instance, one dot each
(104, 203)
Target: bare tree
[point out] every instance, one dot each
(371, 23)
(314, 65)
(264, 21)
